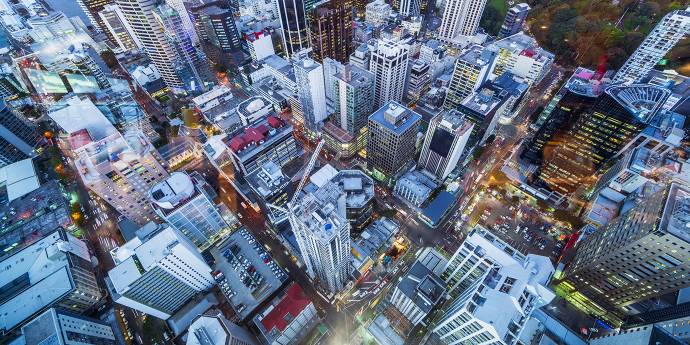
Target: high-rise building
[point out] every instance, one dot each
(180, 7)
(471, 70)
(445, 141)
(215, 23)
(419, 80)
(91, 9)
(389, 65)
(186, 203)
(53, 271)
(122, 33)
(409, 8)
(514, 20)
(521, 55)
(639, 256)
(331, 30)
(158, 271)
(330, 69)
(310, 88)
(140, 16)
(293, 22)
(575, 154)
(418, 291)
(59, 327)
(671, 29)
(377, 12)
(461, 18)
(119, 168)
(18, 136)
(652, 335)
(191, 64)
(493, 290)
(259, 44)
(392, 139)
(354, 98)
(319, 221)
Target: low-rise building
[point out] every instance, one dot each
(288, 319)
(59, 327)
(212, 328)
(417, 293)
(254, 109)
(366, 248)
(414, 188)
(268, 140)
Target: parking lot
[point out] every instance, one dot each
(517, 223)
(248, 273)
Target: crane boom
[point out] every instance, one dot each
(310, 166)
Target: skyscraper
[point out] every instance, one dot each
(444, 143)
(471, 70)
(319, 221)
(331, 30)
(293, 22)
(409, 8)
(354, 98)
(18, 136)
(461, 17)
(157, 272)
(514, 19)
(660, 41)
(392, 139)
(180, 7)
(389, 65)
(119, 168)
(190, 63)
(62, 328)
(186, 203)
(310, 88)
(493, 290)
(140, 15)
(215, 23)
(641, 255)
(114, 21)
(575, 154)
(91, 9)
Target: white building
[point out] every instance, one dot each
(377, 12)
(158, 271)
(409, 8)
(444, 143)
(260, 45)
(149, 31)
(493, 290)
(321, 227)
(53, 271)
(186, 203)
(521, 55)
(115, 22)
(311, 91)
(389, 64)
(58, 327)
(461, 18)
(671, 29)
(472, 68)
(118, 167)
(214, 329)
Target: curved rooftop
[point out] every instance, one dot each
(642, 100)
(172, 191)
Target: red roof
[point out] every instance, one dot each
(237, 143)
(292, 304)
(528, 52)
(274, 122)
(253, 135)
(79, 139)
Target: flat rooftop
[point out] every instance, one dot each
(281, 314)
(422, 286)
(255, 138)
(173, 191)
(395, 117)
(676, 215)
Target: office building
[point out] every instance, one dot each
(91, 9)
(59, 327)
(361, 57)
(293, 22)
(268, 140)
(288, 319)
(212, 328)
(186, 203)
(493, 290)
(444, 144)
(521, 55)
(514, 20)
(121, 32)
(215, 25)
(460, 18)
(330, 69)
(311, 91)
(55, 271)
(377, 12)
(319, 222)
(623, 267)
(392, 139)
(190, 63)
(409, 8)
(140, 16)
(419, 80)
(18, 136)
(389, 64)
(471, 70)
(187, 22)
(575, 154)
(354, 98)
(119, 168)
(158, 271)
(417, 293)
(665, 35)
(331, 30)
(260, 45)
(254, 109)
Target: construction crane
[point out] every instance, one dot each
(305, 176)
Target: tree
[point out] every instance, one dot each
(567, 217)
(491, 19)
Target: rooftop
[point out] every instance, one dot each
(254, 108)
(422, 286)
(373, 237)
(262, 134)
(438, 207)
(395, 117)
(484, 101)
(288, 308)
(355, 76)
(676, 215)
(586, 82)
(357, 186)
(268, 180)
(477, 55)
(643, 101)
(173, 191)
